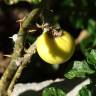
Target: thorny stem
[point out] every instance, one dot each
(18, 48)
(25, 61)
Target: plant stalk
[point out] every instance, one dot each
(17, 53)
(25, 60)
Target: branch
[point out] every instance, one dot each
(25, 61)
(18, 48)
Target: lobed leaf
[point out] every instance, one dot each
(79, 69)
(85, 92)
(52, 91)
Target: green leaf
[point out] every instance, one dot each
(85, 92)
(88, 44)
(92, 26)
(52, 91)
(91, 58)
(10, 2)
(79, 69)
(78, 22)
(68, 3)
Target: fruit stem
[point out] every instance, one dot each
(52, 32)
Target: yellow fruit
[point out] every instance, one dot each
(55, 50)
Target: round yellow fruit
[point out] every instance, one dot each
(55, 50)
